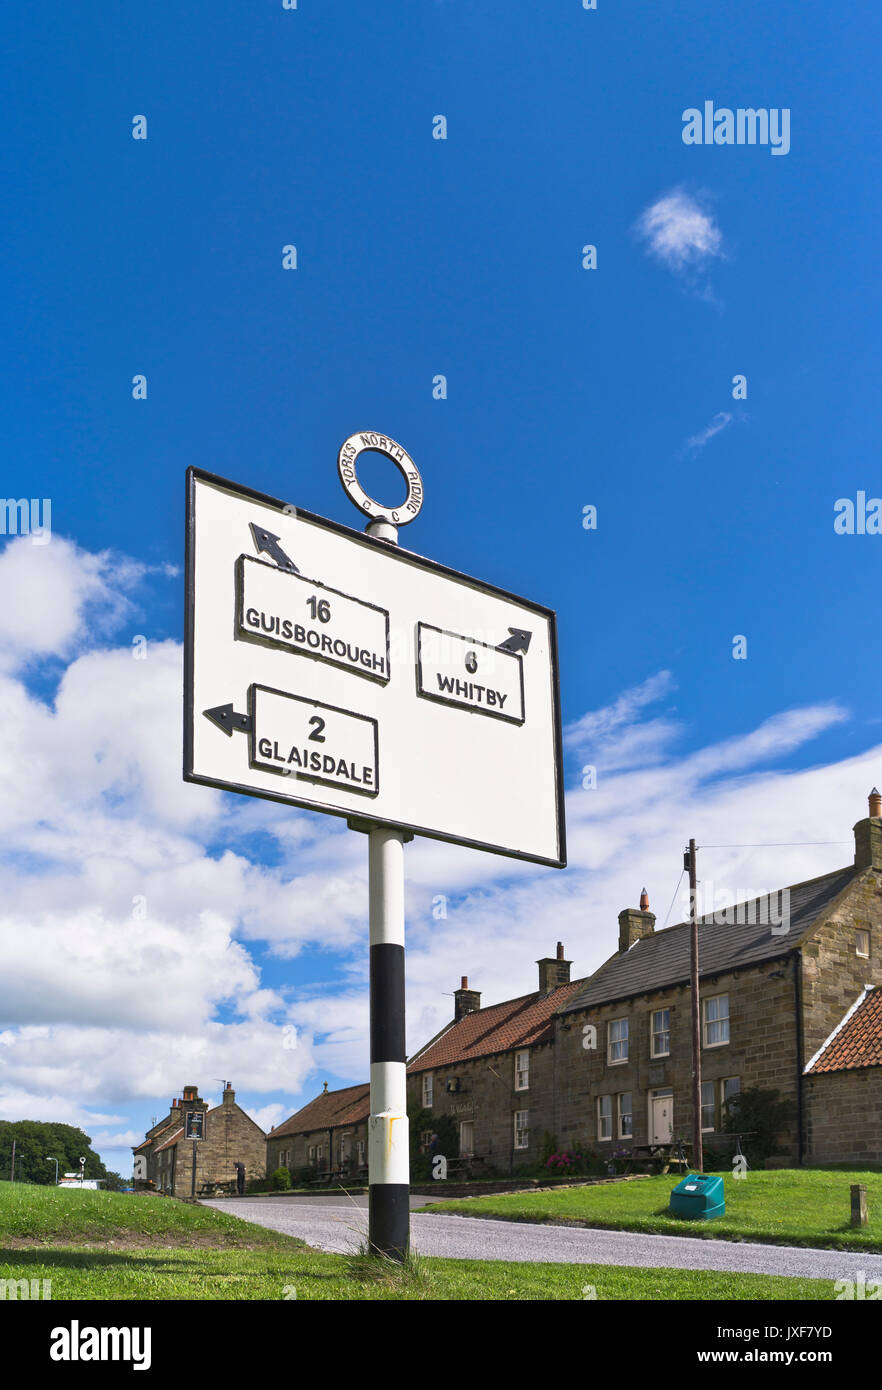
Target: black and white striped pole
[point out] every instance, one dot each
(388, 1129)
(388, 1138)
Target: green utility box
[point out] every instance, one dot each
(699, 1197)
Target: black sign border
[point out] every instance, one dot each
(263, 639)
(410, 557)
(258, 766)
(460, 704)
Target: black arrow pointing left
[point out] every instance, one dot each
(226, 718)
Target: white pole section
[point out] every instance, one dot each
(388, 1139)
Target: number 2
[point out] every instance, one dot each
(317, 736)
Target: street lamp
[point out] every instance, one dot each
(55, 1161)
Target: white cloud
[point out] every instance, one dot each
(721, 421)
(679, 232)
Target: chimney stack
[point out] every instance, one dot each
(466, 1001)
(868, 836)
(229, 1096)
(635, 923)
(553, 971)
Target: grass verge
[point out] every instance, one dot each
(808, 1207)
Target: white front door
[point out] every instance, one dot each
(466, 1138)
(662, 1118)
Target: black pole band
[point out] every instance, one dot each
(387, 1004)
(389, 1218)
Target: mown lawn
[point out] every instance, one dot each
(790, 1207)
(108, 1245)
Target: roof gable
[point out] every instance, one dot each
(856, 1041)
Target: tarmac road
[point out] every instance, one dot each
(339, 1224)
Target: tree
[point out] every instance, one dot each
(36, 1141)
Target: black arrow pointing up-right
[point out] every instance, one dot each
(268, 544)
(226, 718)
(518, 642)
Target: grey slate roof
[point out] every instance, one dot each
(662, 959)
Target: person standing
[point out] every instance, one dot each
(240, 1179)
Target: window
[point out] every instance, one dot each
(708, 1106)
(730, 1087)
(604, 1117)
(617, 1041)
(319, 1150)
(521, 1129)
(427, 1090)
(715, 1099)
(715, 1012)
(661, 1033)
(311, 1153)
(862, 943)
(625, 1117)
(522, 1071)
(359, 1151)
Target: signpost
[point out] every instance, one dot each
(194, 1128)
(335, 671)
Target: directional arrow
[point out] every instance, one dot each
(226, 718)
(518, 642)
(268, 544)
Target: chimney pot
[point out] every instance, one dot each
(465, 982)
(560, 954)
(875, 803)
(644, 901)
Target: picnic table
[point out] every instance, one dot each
(661, 1157)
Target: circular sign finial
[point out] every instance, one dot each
(346, 459)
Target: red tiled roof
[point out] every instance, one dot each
(329, 1110)
(857, 1042)
(145, 1145)
(170, 1143)
(516, 1023)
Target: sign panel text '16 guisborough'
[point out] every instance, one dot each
(330, 670)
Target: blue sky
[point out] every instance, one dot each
(565, 387)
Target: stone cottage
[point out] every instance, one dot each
(327, 1135)
(164, 1159)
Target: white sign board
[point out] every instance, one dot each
(334, 671)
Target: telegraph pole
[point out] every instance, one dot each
(697, 1151)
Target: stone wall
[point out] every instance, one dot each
(844, 1116)
(761, 1052)
(833, 974)
(487, 1096)
(297, 1147)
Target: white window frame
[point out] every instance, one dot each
(621, 1113)
(601, 1117)
(522, 1070)
(522, 1131)
(709, 1129)
(719, 1103)
(612, 1042)
(859, 933)
(659, 1033)
(708, 1023)
(428, 1090)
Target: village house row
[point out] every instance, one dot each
(604, 1062)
